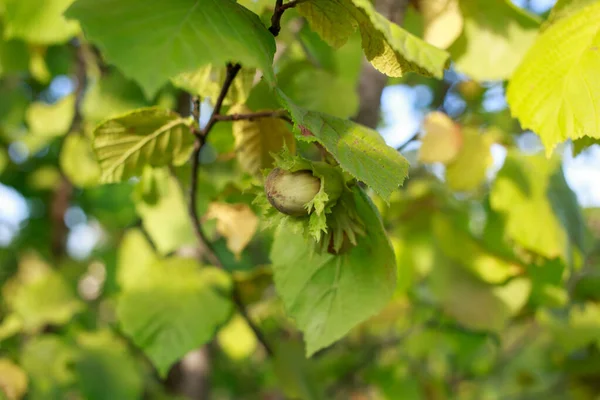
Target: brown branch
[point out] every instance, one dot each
(201, 137)
(281, 114)
(280, 8)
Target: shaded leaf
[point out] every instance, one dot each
(468, 170)
(188, 35)
(556, 91)
(109, 96)
(328, 295)
(105, 369)
(174, 309)
(166, 221)
(149, 136)
(541, 211)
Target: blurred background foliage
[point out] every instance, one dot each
(497, 246)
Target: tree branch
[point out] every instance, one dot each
(201, 137)
(280, 8)
(282, 114)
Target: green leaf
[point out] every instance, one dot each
(78, 162)
(39, 21)
(109, 96)
(188, 35)
(581, 329)
(47, 360)
(468, 170)
(207, 82)
(296, 375)
(149, 136)
(583, 143)
(565, 8)
(464, 249)
(166, 221)
(495, 38)
(50, 120)
(14, 55)
(135, 254)
(256, 140)
(391, 49)
(319, 90)
(176, 307)
(541, 211)
(328, 295)
(556, 90)
(105, 369)
(360, 151)
(39, 296)
(475, 304)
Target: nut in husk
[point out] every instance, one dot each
(289, 192)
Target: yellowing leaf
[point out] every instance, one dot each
(468, 170)
(149, 136)
(51, 120)
(391, 49)
(207, 82)
(495, 38)
(236, 222)
(237, 339)
(442, 141)
(256, 140)
(78, 162)
(13, 380)
(556, 90)
(443, 21)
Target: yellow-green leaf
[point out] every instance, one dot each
(78, 161)
(13, 380)
(51, 120)
(236, 222)
(556, 90)
(442, 139)
(468, 170)
(256, 140)
(495, 38)
(149, 136)
(443, 21)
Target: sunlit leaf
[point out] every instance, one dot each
(496, 36)
(39, 21)
(175, 308)
(443, 21)
(468, 170)
(13, 380)
(78, 161)
(360, 151)
(236, 222)
(150, 136)
(390, 49)
(51, 119)
(556, 91)
(236, 338)
(442, 139)
(328, 295)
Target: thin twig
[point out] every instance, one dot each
(281, 114)
(201, 137)
(280, 8)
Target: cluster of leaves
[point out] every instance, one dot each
(461, 283)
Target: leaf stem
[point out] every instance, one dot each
(280, 8)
